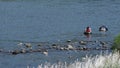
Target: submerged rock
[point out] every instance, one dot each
(70, 47)
(23, 51)
(15, 52)
(85, 48)
(20, 44)
(28, 45)
(68, 41)
(83, 42)
(45, 52)
(103, 43)
(54, 46)
(39, 45)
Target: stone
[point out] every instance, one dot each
(83, 42)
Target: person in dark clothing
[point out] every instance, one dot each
(103, 28)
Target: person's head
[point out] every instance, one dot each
(88, 27)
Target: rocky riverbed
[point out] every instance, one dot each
(46, 47)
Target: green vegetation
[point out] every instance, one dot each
(116, 44)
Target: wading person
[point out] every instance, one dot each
(103, 28)
(88, 30)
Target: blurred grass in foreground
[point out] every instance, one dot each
(111, 60)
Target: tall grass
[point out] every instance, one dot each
(111, 60)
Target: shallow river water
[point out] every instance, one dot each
(40, 22)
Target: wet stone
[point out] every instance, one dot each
(39, 45)
(28, 45)
(70, 47)
(23, 51)
(83, 42)
(15, 52)
(54, 44)
(103, 43)
(65, 46)
(68, 41)
(85, 48)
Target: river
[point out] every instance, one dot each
(53, 21)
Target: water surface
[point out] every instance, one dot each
(53, 21)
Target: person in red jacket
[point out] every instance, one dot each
(88, 30)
